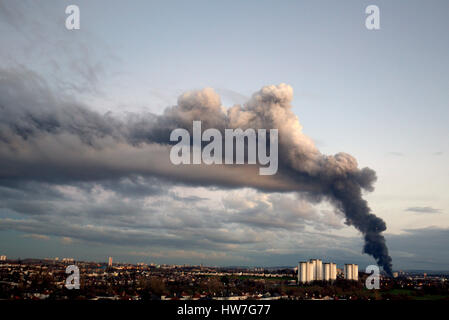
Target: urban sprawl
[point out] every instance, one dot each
(42, 279)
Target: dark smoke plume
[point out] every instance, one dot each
(51, 138)
(347, 196)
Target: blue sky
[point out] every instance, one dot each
(381, 96)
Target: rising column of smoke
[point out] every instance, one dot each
(347, 196)
(337, 177)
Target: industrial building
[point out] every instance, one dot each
(316, 270)
(329, 271)
(333, 271)
(351, 272)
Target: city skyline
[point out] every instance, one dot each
(48, 280)
(328, 273)
(148, 262)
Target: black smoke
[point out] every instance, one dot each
(347, 196)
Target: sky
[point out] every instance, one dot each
(381, 96)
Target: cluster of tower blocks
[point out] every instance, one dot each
(316, 270)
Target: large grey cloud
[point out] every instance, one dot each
(51, 138)
(426, 209)
(92, 213)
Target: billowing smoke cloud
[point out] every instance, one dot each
(45, 137)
